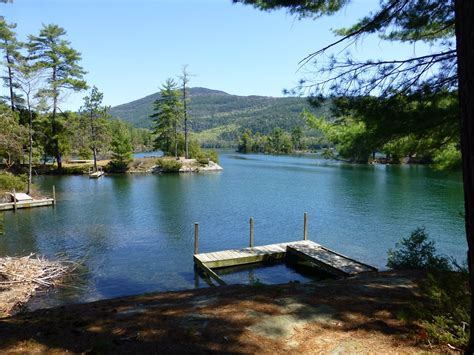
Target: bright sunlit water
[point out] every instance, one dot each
(135, 233)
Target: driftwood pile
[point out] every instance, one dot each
(22, 277)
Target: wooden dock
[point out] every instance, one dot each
(26, 204)
(320, 256)
(21, 200)
(314, 253)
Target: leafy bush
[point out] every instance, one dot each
(445, 314)
(445, 299)
(443, 307)
(169, 165)
(202, 160)
(8, 182)
(73, 170)
(117, 166)
(417, 252)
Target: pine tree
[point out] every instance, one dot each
(11, 51)
(51, 51)
(167, 118)
(96, 115)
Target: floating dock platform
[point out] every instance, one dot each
(26, 204)
(322, 257)
(314, 253)
(22, 200)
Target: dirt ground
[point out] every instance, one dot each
(356, 315)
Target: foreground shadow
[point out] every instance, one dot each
(233, 319)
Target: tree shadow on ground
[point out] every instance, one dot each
(232, 319)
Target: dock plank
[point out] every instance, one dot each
(331, 261)
(317, 254)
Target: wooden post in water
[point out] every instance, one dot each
(305, 232)
(14, 199)
(251, 233)
(54, 196)
(196, 237)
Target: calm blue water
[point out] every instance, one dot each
(135, 233)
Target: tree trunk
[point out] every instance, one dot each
(186, 144)
(464, 12)
(30, 144)
(10, 78)
(93, 136)
(94, 151)
(54, 132)
(176, 141)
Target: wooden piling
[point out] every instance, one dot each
(251, 233)
(54, 196)
(305, 232)
(14, 200)
(196, 237)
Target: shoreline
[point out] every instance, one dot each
(356, 314)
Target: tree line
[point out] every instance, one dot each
(278, 141)
(39, 73)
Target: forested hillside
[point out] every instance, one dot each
(220, 118)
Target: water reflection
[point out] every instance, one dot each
(134, 233)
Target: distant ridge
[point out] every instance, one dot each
(222, 116)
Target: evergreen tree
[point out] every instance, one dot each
(96, 115)
(11, 51)
(51, 51)
(122, 148)
(167, 118)
(246, 142)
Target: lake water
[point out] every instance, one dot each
(135, 233)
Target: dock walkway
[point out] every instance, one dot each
(317, 254)
(26, 204)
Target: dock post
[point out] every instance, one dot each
(305, 232)
(196, 237)
(54, 196)
(14, 199)
(251, 233)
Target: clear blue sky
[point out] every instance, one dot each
(129, 47)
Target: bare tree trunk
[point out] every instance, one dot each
(464, 12)
(185, 79)
(93, 136)
(176, 141)
(30, 144)
(54, 132)
(186, 143)
(94, 151)
(10, 78)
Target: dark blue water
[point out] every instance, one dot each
(135, 233)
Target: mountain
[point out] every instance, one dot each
(218, 116)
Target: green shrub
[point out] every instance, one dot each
(202, 160)
(73, 170)
(8, 182)
(117, 166)
(169, 165)
(445, 299)
(212, 155)
(444, 307)
(417, 252)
